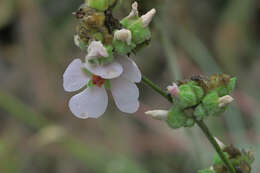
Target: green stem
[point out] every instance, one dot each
(212, 140)
(201, 125)
(156, 88)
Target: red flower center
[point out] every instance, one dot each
(97, 80)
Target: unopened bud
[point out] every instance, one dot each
(221, 144)
(173, 90)
(76, 40)
(158, 114)
(147, 18)
(134, 11)
(124, 35)
(225, 100)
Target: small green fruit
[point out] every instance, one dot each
(122, 48)
(176, 118)
(210, 103)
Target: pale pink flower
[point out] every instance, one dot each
(92, 102)
(173, 90)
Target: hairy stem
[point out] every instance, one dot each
(201, 125)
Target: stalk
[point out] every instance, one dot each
(201, 125)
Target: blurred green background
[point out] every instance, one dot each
(39, 134)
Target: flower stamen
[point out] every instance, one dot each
(97, 80)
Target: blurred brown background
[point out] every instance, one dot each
(39, 134)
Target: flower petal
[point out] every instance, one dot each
(96, 50)
(107, 71)
(90, 103)
(74, 78)
(125, 94)
(131, 70)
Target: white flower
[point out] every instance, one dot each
(107, 71)
(92, 102)
(147, 18)
(96, 50)
(124, 35)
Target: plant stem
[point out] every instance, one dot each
(156, 88)
(212, 140)
(201, 125)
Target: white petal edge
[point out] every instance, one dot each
(131, 70)
(107, 71)
(74, 78)
(125, 94)
(90, 103)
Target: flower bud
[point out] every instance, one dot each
(173, 90)
(124, 35)
(134, 12)
(147, 18)
(221, 144)
(76, 40)
(158, 114)
(225, 100)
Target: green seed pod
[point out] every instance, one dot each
(101, 5)
(189, 94)
(176, 118)
(210, 103)
(140, 33)
(122, 48)
(197, 90)
(200, 112)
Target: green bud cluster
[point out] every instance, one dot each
(240, 159)
(199, 98)
(96, 23)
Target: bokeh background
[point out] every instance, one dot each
(39, 134)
